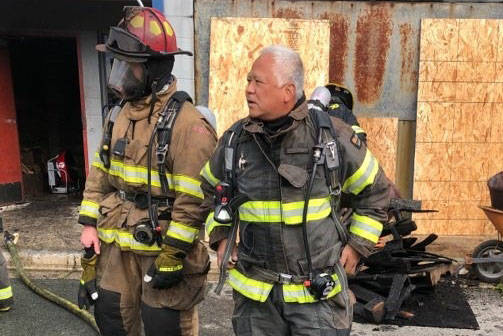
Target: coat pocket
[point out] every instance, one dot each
(136, 152)
(296, 176)
(112, 212)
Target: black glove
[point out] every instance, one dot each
(166, 271)
(88, 293)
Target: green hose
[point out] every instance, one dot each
(68, 305)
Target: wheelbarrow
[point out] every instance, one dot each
(487, 257)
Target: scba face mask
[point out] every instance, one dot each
(128, 79)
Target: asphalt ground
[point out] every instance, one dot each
(34, 316)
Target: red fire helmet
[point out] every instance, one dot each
(143, 33)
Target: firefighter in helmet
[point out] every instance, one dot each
(341, 106)
(141, 212)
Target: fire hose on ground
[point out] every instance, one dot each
(9, 240)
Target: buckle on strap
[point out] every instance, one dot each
(285, 279)
(279, 278)
(140, 199)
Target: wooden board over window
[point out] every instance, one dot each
(382, 140)
(459, 137)
(236, 42)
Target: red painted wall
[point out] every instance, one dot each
(10, 161)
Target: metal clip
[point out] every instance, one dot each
(161, 154)
(331, 147)
(285, 278)
(318, 154)
(332, 158)
(335, 192)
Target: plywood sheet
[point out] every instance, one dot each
(478, 40)
(472, 122)
(459, 142)
(236, 42)
(430, 71)
(439, 40)
(435, 122)
(382, 140)
(432, 162)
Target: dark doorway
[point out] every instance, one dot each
(46, 90)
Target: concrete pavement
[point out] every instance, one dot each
(49, 248)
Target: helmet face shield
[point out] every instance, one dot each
(124, 41)
(127, 79)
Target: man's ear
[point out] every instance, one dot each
(289, 93)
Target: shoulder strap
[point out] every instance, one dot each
(325, 129)
(231, 140)
(107, 133)
(332, 156)
(164, 129)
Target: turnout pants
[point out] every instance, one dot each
(6, 299)
(125, 300)
(274, 317)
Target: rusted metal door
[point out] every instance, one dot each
(10, 161)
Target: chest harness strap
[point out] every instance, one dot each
(163, 129)
(107, 134)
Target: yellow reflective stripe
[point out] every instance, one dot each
(288, 213)
(82, 282)
(6, 293)
(208, 175)
(188, 185)
(97, 158)
(260, 211)
(89, 209)
(251, 288)
(139, 174)
(211, 223)
(319, 208)
(182, 232)
(357, 129)
(363, 176)
(125, 240)
(170, 268)
(366, 227)
(300, 294)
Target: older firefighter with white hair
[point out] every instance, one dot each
(141, 212)
(279, 174)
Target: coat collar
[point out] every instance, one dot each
(298, 114)
(140, 109)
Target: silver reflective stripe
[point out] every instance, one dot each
(251, 288)
(365, 227)
(288, 213)
(89, 209)
(257, 211)
(363, 176)
(312, 209)
(188, 185)
(182, 232)
(125, 240)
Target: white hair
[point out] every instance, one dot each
(290, 67)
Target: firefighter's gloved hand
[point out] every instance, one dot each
(166, 271)
(88, 293)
